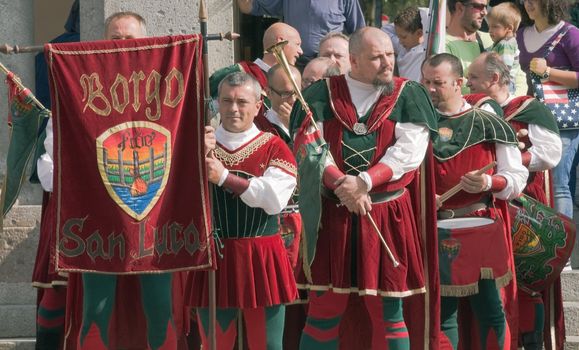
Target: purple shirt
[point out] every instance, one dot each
(564, 56)
(314, 18)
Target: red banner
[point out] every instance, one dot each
(129, 175)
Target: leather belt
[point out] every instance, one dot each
(378, 197)
(461, 212)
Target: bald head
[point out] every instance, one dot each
(363, 35)
(319, 68)
(371, 57)
(279, 32)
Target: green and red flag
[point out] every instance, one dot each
(311, 151)
(129, 178)
(436, 33)
(24, 121)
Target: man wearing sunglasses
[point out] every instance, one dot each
(465, 40)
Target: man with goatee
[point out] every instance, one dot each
(377, 128)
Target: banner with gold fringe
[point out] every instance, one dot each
(129, 173)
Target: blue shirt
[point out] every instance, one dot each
(314, 18)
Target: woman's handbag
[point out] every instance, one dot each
(562, 100)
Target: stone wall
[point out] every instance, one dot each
(165, 18)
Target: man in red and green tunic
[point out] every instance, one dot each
(254, 175)
(475, 255)
(377, 128)
(488, 75)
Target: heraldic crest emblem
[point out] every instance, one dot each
(134, 161)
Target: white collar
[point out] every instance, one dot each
(464, 107)
(273, 117)
(359, 85)
(234, 140)
(264, 66)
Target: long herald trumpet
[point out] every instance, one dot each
(277, 51)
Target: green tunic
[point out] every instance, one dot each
(472, 127)
(413, 100)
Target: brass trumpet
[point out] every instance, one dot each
(277, 51)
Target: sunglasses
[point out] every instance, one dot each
(283, 94)
(476, 6)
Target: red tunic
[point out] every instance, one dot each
(349, 254)
(254, 270)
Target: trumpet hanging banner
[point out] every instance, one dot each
(129, 175)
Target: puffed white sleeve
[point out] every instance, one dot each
(546, 148)
(406, 153)
(271, 191)
(45, 164)
(510, 166)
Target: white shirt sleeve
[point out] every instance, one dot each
(45, 164)
(487, 107)
(407, 152)
(271, 192)
(545, 150)
(510, 166)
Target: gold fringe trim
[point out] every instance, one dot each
(284, 165)
(472, 289)
(232, 159)
(459, 291)
(486, 273)
(124, 49)
(363, 292)
(504, 279)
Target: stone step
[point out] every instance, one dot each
(23, 216)
(570, 285)
(17, 321)
(571, 309)
(572, 342)
(17, 344)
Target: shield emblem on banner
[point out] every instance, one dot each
(134, 160)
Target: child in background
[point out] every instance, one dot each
(504, 20)
(409, 41)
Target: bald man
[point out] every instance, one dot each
(276, 33)
(320, 68)
(377, 127)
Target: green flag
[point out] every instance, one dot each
(25, 120)
(311, 151)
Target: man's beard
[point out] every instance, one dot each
(386, 88)
(472, 26)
